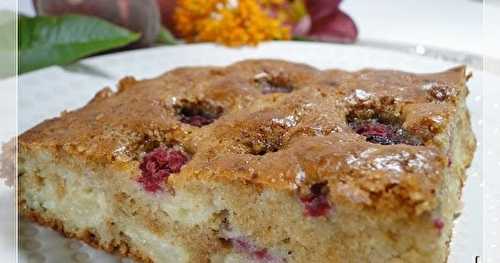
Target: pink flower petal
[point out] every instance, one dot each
(302, 27)
(338, 27)
(167, 9)
(326, 22)
(322, 8)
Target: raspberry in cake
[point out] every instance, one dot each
(259, 161)
(157, 165)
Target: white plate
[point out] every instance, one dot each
(44, 94)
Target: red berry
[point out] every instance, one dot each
(257, 254)
(198, 113)
(316, 202)
(438, 224)
(262, 255)
(383, 133)
(197, 120)
(157, 165)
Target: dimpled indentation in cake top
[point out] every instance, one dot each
(379, 132)
(198, 113)
(278, 83)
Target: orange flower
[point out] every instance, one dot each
(231, 22)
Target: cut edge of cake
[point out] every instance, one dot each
(221, 220)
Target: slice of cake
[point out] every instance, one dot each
(260, 161)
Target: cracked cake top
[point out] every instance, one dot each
(374, 136)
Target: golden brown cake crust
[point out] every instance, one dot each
(284, 141)
(120, 249)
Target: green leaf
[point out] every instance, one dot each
(44, 41)
(301, 38)
(166, 37)
(7, 43)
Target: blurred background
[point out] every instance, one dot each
(423, 27)
(452, 24)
